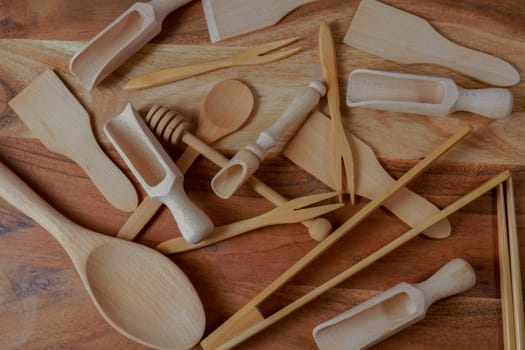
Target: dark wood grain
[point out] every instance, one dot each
(43, 304)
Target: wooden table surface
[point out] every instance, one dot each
(43, 304)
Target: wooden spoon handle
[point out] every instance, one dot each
(165, 7)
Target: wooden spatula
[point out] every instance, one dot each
(399, 36)
(55, 117)
(229, 18)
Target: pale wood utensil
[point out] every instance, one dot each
(242, 166)
(176, 130)
(309, 150)
(226, 107)
(399, 36)
(120, 40)
(249, 320)
(60, 122)
(422, 94)
(515, 266)
(392, 311)
(156, 172)
(505, 280)
(229, 18)
(288, 213)
(342, 160)
(256, 55)
(139, 292)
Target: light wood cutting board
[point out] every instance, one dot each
(391, 135)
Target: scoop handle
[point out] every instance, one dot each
(493, 103)
(164, 7)
(453, 278)
(194, 225)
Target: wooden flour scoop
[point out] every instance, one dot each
(399, 36)
(156, 172)
(120, 40)
(421, 94)
(309, 150)
(394, 310)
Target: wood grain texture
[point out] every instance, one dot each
(42, 301)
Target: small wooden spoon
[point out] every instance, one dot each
(226, 107)
(138, 291)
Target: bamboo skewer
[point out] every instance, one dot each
(249, 314)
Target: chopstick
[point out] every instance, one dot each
(517, 296)
(507, 314)
(510, 275)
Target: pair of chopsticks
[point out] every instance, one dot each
(509, 264)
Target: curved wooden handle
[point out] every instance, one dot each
(454, 277)
(165, 7)
(193, 223)
(493, 103)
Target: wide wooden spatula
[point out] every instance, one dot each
(399, 36)
(60, 122)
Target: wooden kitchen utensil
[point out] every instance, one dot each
(249, 320)
(253, 56)
(288, 213)
(139, 292)
(156, 172)
(176, 130)
(226, 107)
(421, 94)
(342, 160)
(399, 36)
(237, 170)
(120, 40)
(309, 150)
(58, 120)
(393, 310)
(229, 18)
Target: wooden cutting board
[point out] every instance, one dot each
(392, 135)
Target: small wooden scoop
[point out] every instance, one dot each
(60, 122)
(394, 310)
(120, 40)
(139, 292)
(247, 160)
(156, 172)
(399, 36)
(421, 94)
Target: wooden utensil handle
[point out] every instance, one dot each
(165, 7)
(193, 223)
(298, 110)
(454, 277)
(493, 103)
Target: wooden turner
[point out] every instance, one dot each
(404, 38)
(55, 117)
(310, 151)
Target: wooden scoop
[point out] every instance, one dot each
(138, 291)
(399, 36)
(310, 151)
(156, 172)
(60, 122)
(421, 94)
(246, 161)
(120, 40)
(394, 310)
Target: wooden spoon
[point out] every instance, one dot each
(226, 107)
(138, 291)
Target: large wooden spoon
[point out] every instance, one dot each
(226, 107)
(138, 291)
